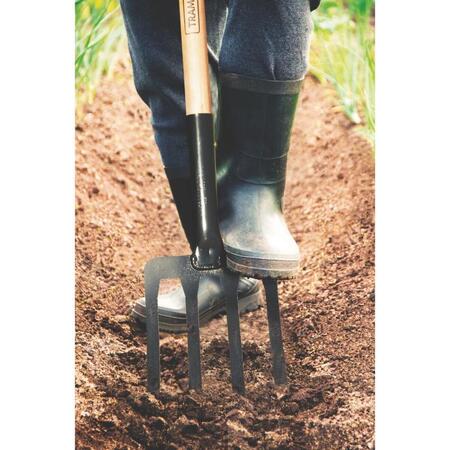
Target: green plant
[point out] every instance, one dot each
(343, 54)
(99, 39)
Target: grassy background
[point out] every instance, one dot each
(342, 53)
(100, 41)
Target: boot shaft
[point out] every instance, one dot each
(256, 118)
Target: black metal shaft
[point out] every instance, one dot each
(209, 251)
(276, 339)
(230, 285)
(151, 301)
(190, 287)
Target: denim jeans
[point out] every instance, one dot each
(266, 39)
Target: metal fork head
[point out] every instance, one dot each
(181, 267)
(170, 267)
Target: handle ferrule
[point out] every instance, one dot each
(209, 251)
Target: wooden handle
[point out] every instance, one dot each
(195, 57)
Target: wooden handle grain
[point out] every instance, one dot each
(195, 57)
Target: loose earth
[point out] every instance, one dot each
(125, 216)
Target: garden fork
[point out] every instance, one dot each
(208, 257)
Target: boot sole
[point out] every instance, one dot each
(169, 324)
(262, 268)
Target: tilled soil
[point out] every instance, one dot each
(125, 216)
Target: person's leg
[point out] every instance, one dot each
(153, 31)
(154, 42)
(267, 39)
(262, 62)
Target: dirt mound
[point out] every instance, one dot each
(125, 216)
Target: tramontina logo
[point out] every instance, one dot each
(191, 17)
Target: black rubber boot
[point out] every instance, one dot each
(256, 119)
(211, 302)
(172, 306)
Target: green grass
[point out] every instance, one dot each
(99, 42)
(343, 55)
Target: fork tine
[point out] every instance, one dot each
(276, 339)
(153, 363)
(190, 287)
(230, 284)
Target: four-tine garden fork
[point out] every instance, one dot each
(208, 258)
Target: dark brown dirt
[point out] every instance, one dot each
(125, 216)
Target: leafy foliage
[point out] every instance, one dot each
(99, 39)
(343, 54)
